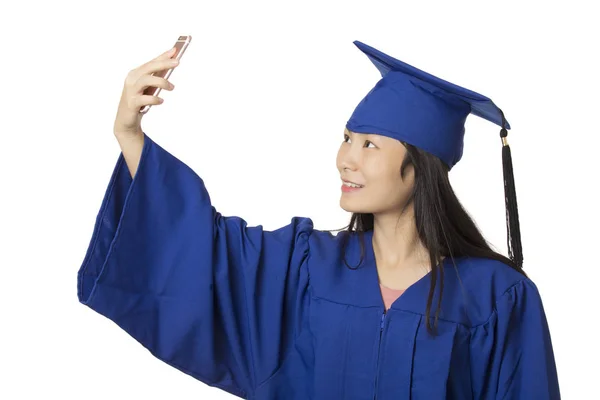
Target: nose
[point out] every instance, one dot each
(348, 165)
(349, 158)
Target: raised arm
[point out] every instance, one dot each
(127, 126)
(205, 293)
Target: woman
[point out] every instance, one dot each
(409, 302)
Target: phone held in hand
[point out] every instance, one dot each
(181, 45)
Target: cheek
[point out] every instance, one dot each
(400, 188)
(388, 184)
(380, 175)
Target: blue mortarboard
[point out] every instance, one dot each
(425, 111)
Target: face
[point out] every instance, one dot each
(373, 162)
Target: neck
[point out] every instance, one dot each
(396, 242)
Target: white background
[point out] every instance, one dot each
(258, 111)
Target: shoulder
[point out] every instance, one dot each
(331, 249)
(300, 227)
(487, 274)
(482, 284)
(334, 257)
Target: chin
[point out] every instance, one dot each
(353, 206)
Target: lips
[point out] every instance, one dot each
(349, 189)
(351, 184)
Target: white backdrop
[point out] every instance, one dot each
(261, 99)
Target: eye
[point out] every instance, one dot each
(367, 142)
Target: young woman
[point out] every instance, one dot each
(408, 302)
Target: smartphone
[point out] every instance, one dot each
(181, 45)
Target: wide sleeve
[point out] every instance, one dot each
(205, 293)
(511, 353)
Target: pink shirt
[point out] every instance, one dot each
(389, 295)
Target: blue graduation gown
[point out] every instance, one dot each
(278, 315)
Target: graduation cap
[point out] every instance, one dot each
(425, 111)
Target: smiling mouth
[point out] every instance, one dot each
(352, 185)
(349, 187)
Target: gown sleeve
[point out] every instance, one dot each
(511, 354)
(205, 293)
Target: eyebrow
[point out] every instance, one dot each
(369, 135)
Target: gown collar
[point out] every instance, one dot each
(413, 299)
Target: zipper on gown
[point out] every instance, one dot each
(379, 353)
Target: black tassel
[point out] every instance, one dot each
(515, 251)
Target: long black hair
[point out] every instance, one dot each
(443, 225)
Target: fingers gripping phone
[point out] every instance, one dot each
(181, 45)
